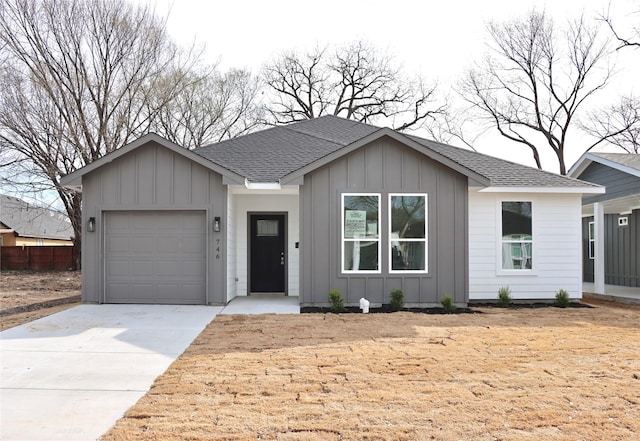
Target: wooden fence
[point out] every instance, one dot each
(37, 258)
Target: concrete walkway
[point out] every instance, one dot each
(72, 375)
(613, 293)
(263, 304)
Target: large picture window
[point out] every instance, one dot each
(360, 233)
(408, 232)
(517, 236)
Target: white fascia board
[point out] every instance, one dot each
(550, 190)
(580, 166)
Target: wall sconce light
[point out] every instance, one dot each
(91, 225)
(216, 224)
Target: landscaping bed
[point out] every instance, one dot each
(504, 374)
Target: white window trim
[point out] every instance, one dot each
(343, 240)
(591, 240)
(425, 240)
(499, 241)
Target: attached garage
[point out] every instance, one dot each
(155, 257)
(155, 233)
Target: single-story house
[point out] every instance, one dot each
(613, 216)
(23, 224)
(324, 204)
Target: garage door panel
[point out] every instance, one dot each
(142, 268)
(194, 223)
(187, 292)
(169, 269)
(119, 223)
(155, 257)
(192, 245)
(118, 268)
(143, 245)
(117, 244)
(168, 244)
(190, 268)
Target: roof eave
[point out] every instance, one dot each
(585, 160)
(548, 190)
(74, 180)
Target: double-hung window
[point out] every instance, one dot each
(517, 236)
(408, 233)
(361, 232)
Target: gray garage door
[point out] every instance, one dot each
(155, 257)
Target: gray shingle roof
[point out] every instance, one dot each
(626, 159)
(268, 155)
(500, 172)
(31, 221)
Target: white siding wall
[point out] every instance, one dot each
(244, 203)
(557, 247)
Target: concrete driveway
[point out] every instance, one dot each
(71, 375)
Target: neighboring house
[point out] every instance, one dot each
(613, 216)
(324, 204)
(23, 224)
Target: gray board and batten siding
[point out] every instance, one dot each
(617, 182)
(622, 242)
(384, 166)
(164, 190)
(622, 250)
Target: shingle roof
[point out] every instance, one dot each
(31, 221)
(268, 155)
(500, 172)
(626, 159)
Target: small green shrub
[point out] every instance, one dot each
(335, 299)
(397, 300)
(447, 303)
(504, 297)
(562, 298)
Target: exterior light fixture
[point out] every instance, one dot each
(216, 224)
(91, 225)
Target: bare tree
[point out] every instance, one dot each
(618, 124)
(357, 82)
(77, 78)
(630, 39)
(212, 107)
(537, 80)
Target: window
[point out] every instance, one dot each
(360, 233)
(517, 237)
(407, 233)
(592, 239)
(267, 227)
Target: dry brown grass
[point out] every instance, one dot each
(528, 374)
(29, 295)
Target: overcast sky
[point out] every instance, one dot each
(437, 40)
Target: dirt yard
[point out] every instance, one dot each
(29, 295)
(525, 374)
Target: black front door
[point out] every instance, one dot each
(267, 253)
